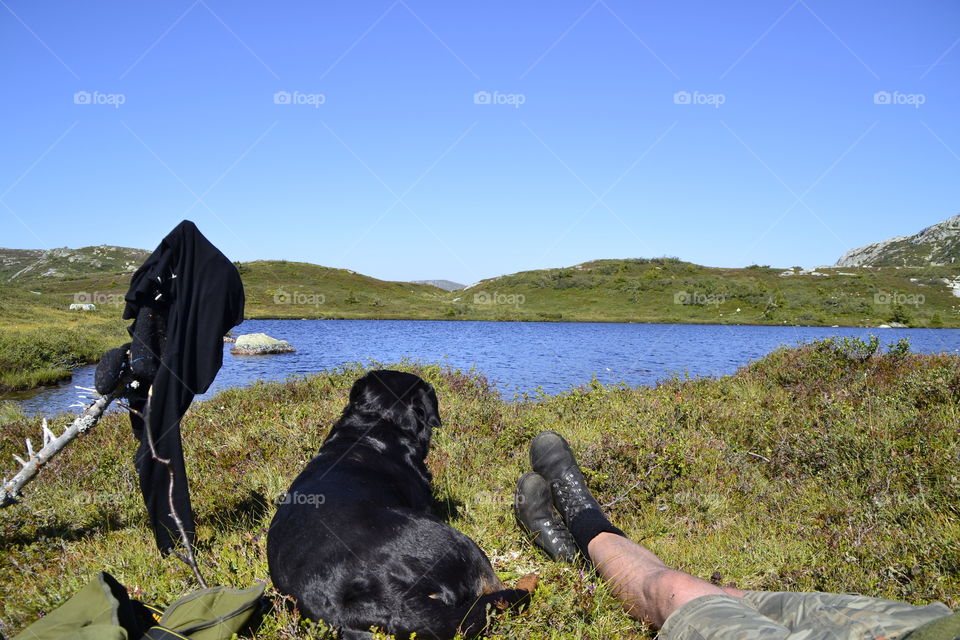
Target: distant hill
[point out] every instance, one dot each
(663, 290)
(36, 265)
(446, 285)
(670, 290)
(936, 245)
(280, 289)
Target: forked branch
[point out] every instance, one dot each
(52, 445)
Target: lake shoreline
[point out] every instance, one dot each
(594, 321)
(539, 358)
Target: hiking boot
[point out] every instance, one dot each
(533, 506)
(551, 457)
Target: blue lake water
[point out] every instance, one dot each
(515, 356)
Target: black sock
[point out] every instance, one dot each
(587, 525)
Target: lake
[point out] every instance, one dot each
(515, 356)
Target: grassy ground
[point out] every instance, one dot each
(829, 467)
(40, 341)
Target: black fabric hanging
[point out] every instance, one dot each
(183, 300)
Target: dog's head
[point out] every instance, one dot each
(402, 399)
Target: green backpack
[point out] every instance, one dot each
(102, 610)
(946, 628)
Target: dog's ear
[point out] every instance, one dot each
(357, 391)
(424, 415)
(426, 407)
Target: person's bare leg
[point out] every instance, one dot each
(649, 589)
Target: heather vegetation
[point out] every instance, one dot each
(834, 466)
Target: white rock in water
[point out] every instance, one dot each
(254, 344)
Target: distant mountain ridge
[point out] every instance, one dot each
(446, 285)
(937, 245)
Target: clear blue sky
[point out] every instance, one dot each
(402, 173)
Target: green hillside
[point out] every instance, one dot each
(280, 289)
(27, 266)
(41, 340)
(670, 290)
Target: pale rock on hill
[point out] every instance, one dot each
(936, 245)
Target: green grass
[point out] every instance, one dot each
(829, 467)
(41, 342)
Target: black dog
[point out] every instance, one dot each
(355, 542)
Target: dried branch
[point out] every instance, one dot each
(52, 445)
(187, 556)
(627, 492)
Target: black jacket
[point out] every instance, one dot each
(184, 298)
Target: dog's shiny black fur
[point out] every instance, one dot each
(354, 540)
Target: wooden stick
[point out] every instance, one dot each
(52, 445)
(187, 556)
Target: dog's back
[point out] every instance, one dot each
(354, 541)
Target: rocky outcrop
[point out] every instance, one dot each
(22, 265)
(936, 245)
(257, 344)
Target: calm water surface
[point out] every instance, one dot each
(515, 356)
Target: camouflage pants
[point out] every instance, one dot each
(796, 616)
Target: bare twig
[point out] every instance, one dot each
(187, 556)
(52, 445)
(627, 492)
